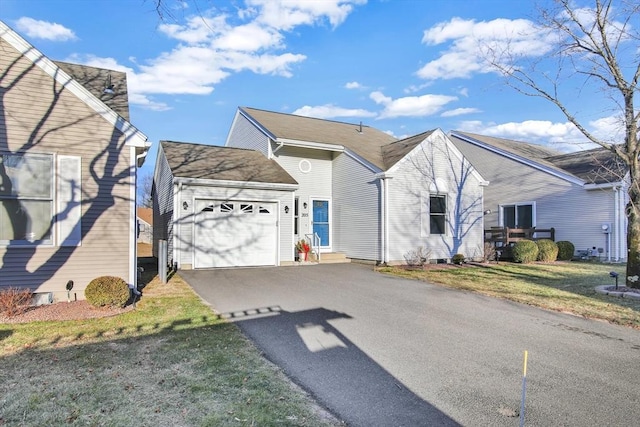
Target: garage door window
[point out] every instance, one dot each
(226, 207)
(246, 209)
(264, 210)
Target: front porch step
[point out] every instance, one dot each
(330, 258)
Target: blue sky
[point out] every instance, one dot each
(401, 66)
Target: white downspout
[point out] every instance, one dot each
(386, 220)
(176, 224)
(616, 224)
(133, 232)
(383, 226)
(280, 145)
(620, 225)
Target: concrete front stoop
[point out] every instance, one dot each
(330, 258)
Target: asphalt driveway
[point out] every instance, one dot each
(383, 351)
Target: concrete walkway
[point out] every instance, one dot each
(383, 351)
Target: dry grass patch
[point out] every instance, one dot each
(168, 362)
(561, 286)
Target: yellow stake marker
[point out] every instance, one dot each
(524, 388)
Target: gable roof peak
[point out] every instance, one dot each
(364, 141)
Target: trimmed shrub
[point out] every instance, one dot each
(14, 301)
(107, 291)
(525, 251)
(566, 250)
(547, 250)
(457, 259)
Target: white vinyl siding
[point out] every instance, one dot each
(576, 213)
(356, 209)
(244, 134)
(316, 183)
(432, 169)
(163, 200)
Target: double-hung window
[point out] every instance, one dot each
(437, 214)
(26, 199)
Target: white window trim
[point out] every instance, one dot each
(534, 213)
(425, 214)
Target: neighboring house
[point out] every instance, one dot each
(582, 195)
(68, 158)
(145, 224)
(348, 188)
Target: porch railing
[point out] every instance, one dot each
(314, 241)
(504, 236)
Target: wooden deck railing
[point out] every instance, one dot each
(504, 236)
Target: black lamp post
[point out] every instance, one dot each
(615, 275)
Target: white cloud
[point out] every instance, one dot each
(197, 29)
(329, 111)
(44, 30)
(471, 42)
(353, 85)
(561, 136)
(145, 102)
(211, 46)
(459, 112)
(287, 14)
(609, 129)
(411, 106)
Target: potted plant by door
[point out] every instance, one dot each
(303, 249)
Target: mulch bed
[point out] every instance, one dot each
(75, 310)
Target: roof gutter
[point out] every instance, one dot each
(234, 184)
(309, 144)
(603, 186)
(529, 162)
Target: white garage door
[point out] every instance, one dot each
(235, 233)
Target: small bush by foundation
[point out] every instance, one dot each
(525, 251)
(457, 259)
(107, 291)
(547, 250)
(566, 250)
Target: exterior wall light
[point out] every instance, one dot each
(185, 205)
(286, 209)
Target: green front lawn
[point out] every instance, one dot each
(561, 286)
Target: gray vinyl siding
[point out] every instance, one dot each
(163, 195)
(576, 213)
(317, 183)
(39, 116)
(356, 209)
(184, 222)
(244, 134)
(408, 197)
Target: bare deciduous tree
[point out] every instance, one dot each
(144, 189)
(600, 46)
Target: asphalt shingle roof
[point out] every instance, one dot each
(365, 141)
(394, 152)
(188, 160)
(596, 166)
(95, 79)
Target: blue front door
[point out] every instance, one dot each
(320, 212)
